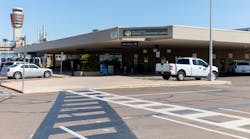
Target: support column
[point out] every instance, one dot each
(54, 61)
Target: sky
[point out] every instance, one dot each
(65, 18)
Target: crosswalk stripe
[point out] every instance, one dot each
(175, 110)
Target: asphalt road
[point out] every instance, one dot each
(194, 112)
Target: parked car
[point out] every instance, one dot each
(30, 70)
(5, 65)
(186, 67)
(239, 66)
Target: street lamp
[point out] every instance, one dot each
(210, 78)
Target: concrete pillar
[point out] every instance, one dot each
(54, 61)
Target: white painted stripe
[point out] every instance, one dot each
(200, 115)
(150, 105)
(183, 92)
(199, 127)
(234, 111)
(72, 132)
(237, 123)
(116, 97)
(171, 109)
(85, 92)
(214, 123)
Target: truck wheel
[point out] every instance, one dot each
(214, 75)
(165, 77)
(181, 76)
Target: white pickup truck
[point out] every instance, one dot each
(186, 67)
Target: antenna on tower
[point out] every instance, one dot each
(42, 34)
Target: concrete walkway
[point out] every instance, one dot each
(42, 85)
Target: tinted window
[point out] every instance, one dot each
(242, 63)
(195, 62)
(202, 63)
(26, 66)
(8, 64)
(12, 66)
(183, 61)
(33, 66)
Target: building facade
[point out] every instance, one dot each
(139, 48)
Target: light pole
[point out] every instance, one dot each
(210, 78)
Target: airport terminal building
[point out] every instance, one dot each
(139, 48)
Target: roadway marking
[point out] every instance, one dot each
(199, 127)
(171, 110)
(183, 92)
(72, 132)
(234, 111)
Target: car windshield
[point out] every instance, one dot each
(8, 64)
(12, 66)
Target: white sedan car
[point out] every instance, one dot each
(30, 70)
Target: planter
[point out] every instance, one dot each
(86, 73)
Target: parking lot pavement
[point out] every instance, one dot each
(6, 94)
(21, 114)
(211, 111)
(73, 113)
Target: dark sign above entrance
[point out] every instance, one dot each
(129, 44)
(147, 32)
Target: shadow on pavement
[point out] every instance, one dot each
(90, 118)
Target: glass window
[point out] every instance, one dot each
(202, 63)
(195, 62)
(183, 61)
(242, 63)
(33, 66)
(12, 66)
(8, 64)
(26, 66)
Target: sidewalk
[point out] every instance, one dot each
(43, 85)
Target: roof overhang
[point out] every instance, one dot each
(169, 36)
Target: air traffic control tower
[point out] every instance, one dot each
(17, 18)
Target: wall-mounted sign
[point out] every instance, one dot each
(147, 32)
(129, 44)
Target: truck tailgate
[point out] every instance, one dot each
(162, 67)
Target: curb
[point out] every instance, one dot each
(130, 86)
(18, 91)
(165, 85)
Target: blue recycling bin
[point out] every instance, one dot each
(104, 70)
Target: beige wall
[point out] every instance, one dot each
(202, 34)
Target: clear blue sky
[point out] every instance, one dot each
(64, 18)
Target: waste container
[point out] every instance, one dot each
(104, 70)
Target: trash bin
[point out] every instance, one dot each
(104, 70)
